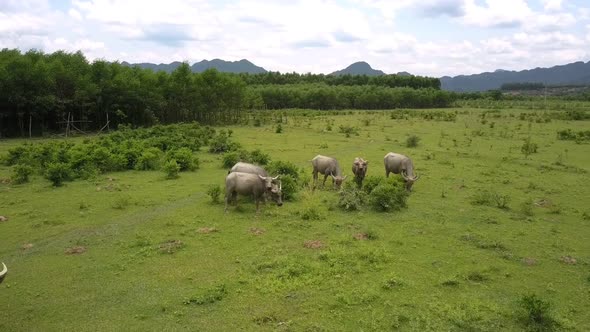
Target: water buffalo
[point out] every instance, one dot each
(3, 272)
(359, 169)
(254, 185)
(400, 164)
(327, 166)
(254, 169)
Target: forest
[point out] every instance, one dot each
(40, 93)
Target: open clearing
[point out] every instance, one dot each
(484, 226)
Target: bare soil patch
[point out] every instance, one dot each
(207, 230)
(313, 244)
(75, 250)
(257, 231)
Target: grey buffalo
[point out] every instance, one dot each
(3, 272)
(399, 164)
(253, 185)
(254, 169)
(359, 169)
(327, 166)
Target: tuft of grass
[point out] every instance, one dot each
(208, 295)
(412, 141)
(214, 192)
(536, 313)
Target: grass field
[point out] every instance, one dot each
(485, 227)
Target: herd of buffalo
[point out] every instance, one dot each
(252, 180)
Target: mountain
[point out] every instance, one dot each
(359, 68)
(242, 66)
(577, 73)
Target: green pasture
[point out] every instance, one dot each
(485, 227)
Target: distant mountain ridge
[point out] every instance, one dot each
(576, 73)
(241, 66)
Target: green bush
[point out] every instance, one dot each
(149, 160)
(528, 147)
(348, 130)
(171, 168)
(371, 182)
(389, 195)
(412, 141)
(279, 129)
(283, 168)
(289, 187)
(185, 159)
(351, 198)
(222, 143)
(258, 157)
(214, 191)
(230, 159)
(57, 173)
(21, 173)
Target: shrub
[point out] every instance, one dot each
(148, 160)
(171, 168)
(388, 196)
(214, 192)
(289, 187)
(536, 313)
(21, 173)
(279, 129)
(283, 168)
(348, 130)
(185, 159)
(222, 143)
(258, 157)
(371, 182)
(528, 147)
(230, 159)
(57, 173)
(412, 141)
(351, 198)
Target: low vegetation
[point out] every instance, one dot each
(489, 239)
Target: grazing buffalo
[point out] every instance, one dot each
(327, 166)
(400, 164)
(254, 169)
(3, 272)
(359, 169)
(254, 185)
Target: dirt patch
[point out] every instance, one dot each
(75, 250)
(27, 246)
(207, 230)
(360, 236)
(569, 260)
(313, 244)
(5, 181)
(543, 203)
(529, 261)
(3, 218)
(257, 231)
(171, 246)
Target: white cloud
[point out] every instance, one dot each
(552, 5)
(418, 36)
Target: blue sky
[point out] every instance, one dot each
(425, 37)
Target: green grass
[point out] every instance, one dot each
(454, 259)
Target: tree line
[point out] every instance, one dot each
(40, 93)
(391, 81)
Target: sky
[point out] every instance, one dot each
(423, 37)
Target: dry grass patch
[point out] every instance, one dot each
(313, 244)
(75, 250)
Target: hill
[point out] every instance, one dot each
(577, 73)
(359, 68)
(242, 66)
